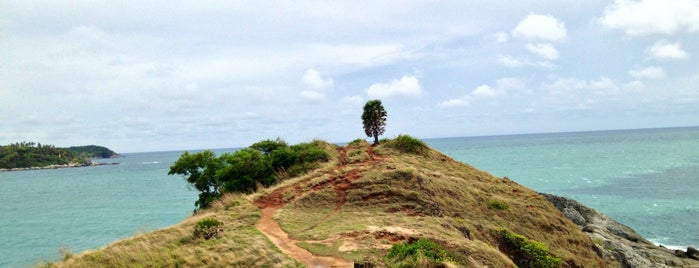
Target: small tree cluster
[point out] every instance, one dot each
(263, 163)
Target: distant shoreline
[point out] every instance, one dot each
(57, 167)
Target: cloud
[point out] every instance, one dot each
(545, 50)
(460, 102)
(408, 86)
(663, 50)
(652, 72)
(540, 27)
(652, 16)
(313, 78)
(514, 62)
(484, 91)
(501, 37)
(508, 83)
(314, 96)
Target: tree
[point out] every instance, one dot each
(374, 119)
(200, 170)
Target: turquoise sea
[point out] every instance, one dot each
(647, 179)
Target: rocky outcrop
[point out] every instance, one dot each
(619, 243)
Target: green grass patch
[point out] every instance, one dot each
(497, 204)
(528, 253)
(408, 144)
(419, 252)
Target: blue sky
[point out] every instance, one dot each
(169, 75)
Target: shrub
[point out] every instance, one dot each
(269, 146)
(409, 254)
(497, 204)
(263, 163)
(408, 144)
(208, 228)
(528, 253)
(356, 142)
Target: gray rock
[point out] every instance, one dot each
(618, 243)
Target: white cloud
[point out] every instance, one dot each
(652, 16)
(545, 50)
(514, 62)
(651, 72)
(501, 37)
(508, 83)
(540, 27)
(664, 50)
(460, 102)
(634, 85)
(313, 78)
(408, 86)
(312, 95)
(484, 91)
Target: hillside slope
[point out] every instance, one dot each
(355, 208)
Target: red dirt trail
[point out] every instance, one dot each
(267, 225)
(274, 232)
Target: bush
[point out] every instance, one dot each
(408, 144)
(263, 163)
(208, 228)
(497, 204)
(356, 142)
(409, 254)
(528, 253)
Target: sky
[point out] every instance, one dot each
(139, 76)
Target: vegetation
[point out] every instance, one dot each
(208, 228)
(31, 154)
(419, 253)
(529, 253)
(359, 210)
(92, 151)
(262, 164)
(408, 144)
(497, 204)
(374, 119)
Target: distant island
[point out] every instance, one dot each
(32, 155)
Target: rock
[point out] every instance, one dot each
(618, 243)
(692, 253)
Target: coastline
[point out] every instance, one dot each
(616, 241)
(93, 164)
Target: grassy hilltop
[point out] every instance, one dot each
(396, 204)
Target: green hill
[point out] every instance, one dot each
(92, 151)
(398, 204)
(24, 155)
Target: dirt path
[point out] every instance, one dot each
(274, 201)
(274, 232)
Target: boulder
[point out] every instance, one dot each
(619, 243)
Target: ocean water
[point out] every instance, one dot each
(646, 179)
(44, 211)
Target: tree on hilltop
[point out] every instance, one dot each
(374, 119)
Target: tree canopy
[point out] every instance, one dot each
(374, 119)
(31, 154)
(262, 164)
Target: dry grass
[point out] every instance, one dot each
(357, 206)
